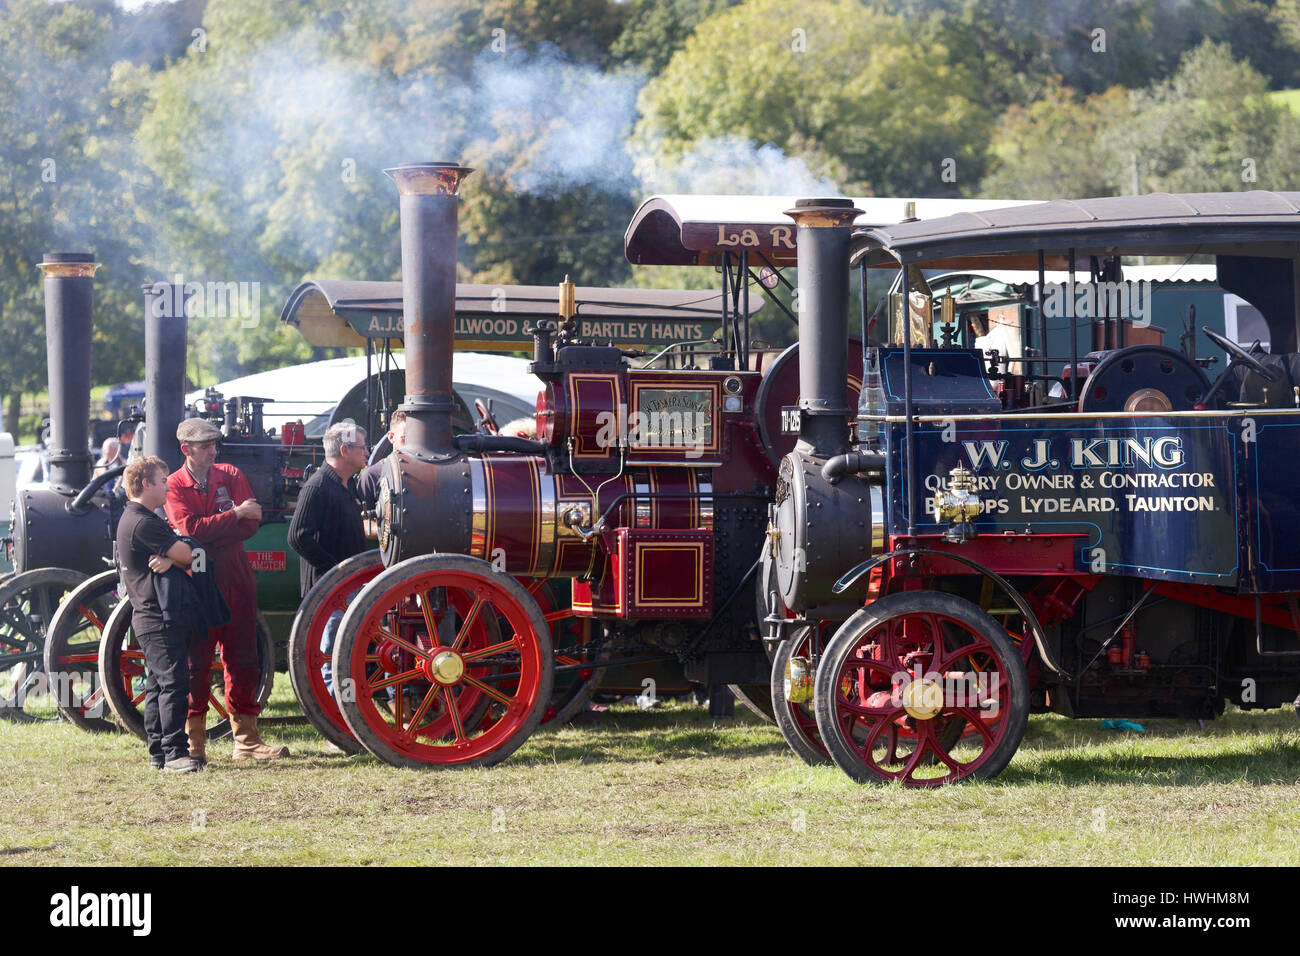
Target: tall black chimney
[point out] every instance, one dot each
(429, 215)
(69, 321)
(166, 324)
(825, 226)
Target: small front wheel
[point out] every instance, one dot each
(795, 718)
(923, 688)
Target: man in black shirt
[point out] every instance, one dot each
(368, 483)
(326, 528)
(147, 549)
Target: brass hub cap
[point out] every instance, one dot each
(923, 699)
(446, 667)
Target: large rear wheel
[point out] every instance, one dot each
(466, 650)
(331, 594)
(72, 651)
(923, 688)
(123, 673)
(579, 653)
(28, 602)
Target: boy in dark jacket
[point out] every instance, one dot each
(148, 550)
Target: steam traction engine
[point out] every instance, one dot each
(63, 599)
(1126, 551)
(647, 488)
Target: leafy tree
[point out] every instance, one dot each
(1208, 127)
(275, 137)
(1021, 46)
(1060, 145)
(158, 32)
(656, 29)
(1211, 127)
(852, 90)
(56, 181)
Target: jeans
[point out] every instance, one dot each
(166, 693)
(327, 648)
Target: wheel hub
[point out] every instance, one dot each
(445, 667)
(923, 699)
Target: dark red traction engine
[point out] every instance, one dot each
(646, 488)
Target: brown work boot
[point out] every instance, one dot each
(248, 745)
(196, 728)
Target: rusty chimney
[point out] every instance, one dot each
(69, 322)
(429, 215)
(825, 227)
(165, 327)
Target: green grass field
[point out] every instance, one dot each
(659, 787)
(1288, 98)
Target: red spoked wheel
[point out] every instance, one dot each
(465, 648)
(905, 678)
(122, 674)
(796, 721)
(333, 592)
(72, 652)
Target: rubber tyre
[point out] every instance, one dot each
(797, 722)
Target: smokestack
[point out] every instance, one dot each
(165, 327)
(825, 226)
(69, 321)
(429, 213)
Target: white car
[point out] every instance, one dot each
(310, 392)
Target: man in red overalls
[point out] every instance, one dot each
(212, 502)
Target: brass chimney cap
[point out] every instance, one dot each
(824, 213)
(428, 179)
(68, 264)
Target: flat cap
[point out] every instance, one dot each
(197, 429)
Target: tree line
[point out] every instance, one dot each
(239, 141)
